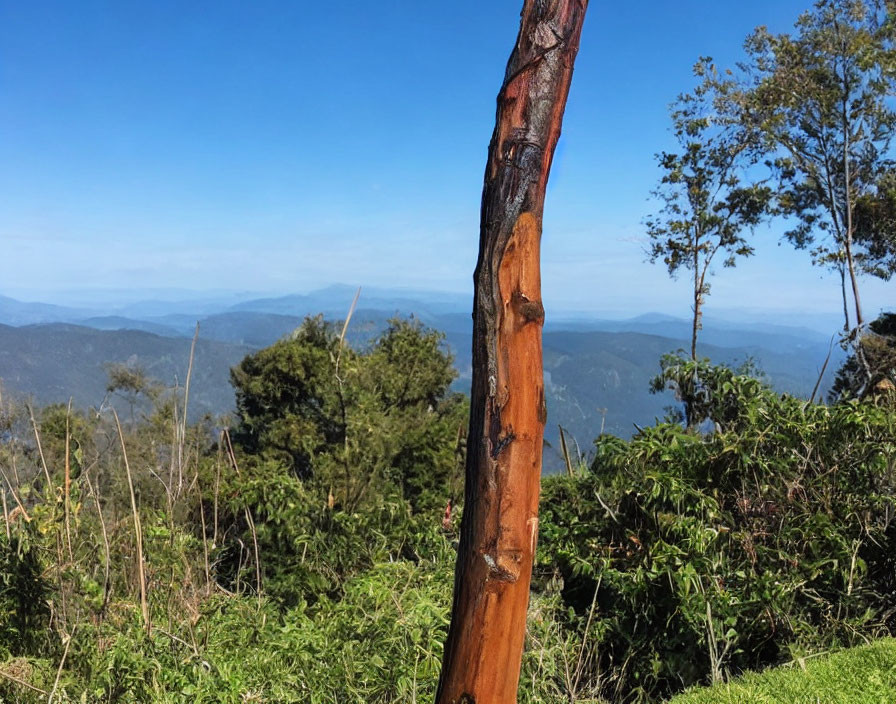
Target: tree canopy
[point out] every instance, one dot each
(351, 419)
(821, 100)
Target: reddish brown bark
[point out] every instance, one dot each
(484, 648)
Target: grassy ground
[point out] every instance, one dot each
(864, 675)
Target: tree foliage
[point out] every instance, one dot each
(708, 200)
(879, 353)
(353, 420)
(707, 392)
(875, 221)
(821, 99)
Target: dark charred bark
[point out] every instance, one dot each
(483, 651)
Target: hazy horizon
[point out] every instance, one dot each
(112, 301)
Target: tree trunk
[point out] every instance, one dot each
(848, 201)
(853, 280)
(484, 647)
(698, 298)
(841, 267)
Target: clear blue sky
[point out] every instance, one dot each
(275, 146)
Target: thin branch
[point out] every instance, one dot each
(15, 496)
(823, 369)
(23, 683)
(68, 642)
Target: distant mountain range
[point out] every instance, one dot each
(13, 312)
(597, 372)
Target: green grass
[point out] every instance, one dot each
(863, 675)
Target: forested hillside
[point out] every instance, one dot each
(593, 379)
(57, 362)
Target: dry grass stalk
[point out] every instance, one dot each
(341, 393)
(15, 467)
(15, 496)
(23, 683)
(63, 593)
(50, 493)
(182, 439)
(67, 504)
(225, 439)
(565, 451)
(824, 368)
(107, 560)
(216, 493)
(172, 456)
(5, 515)
(138, 531)
(208, 576)
(40, 449)
(580, 662)
(351, 312)
(68, 642)
(249, 520)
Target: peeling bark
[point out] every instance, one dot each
(503, 472)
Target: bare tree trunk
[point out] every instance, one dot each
(854, 281)
(841, 267)
(848, 225)
(698, 298)
(484, 647)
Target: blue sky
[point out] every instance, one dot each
(276, 146)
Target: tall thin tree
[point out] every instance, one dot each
(484, 647)
(822, 97)
(708, 203)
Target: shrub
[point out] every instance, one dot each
(24, 612)
(354, 421)
(711, 554)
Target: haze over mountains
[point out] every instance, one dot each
(597, 370)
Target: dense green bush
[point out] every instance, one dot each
(349, 459)
(307, 547)
(380, 642)
(356, 421)
(24, 610)
(710, 554)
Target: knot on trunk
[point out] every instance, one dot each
(531, 311)
(506, 566)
